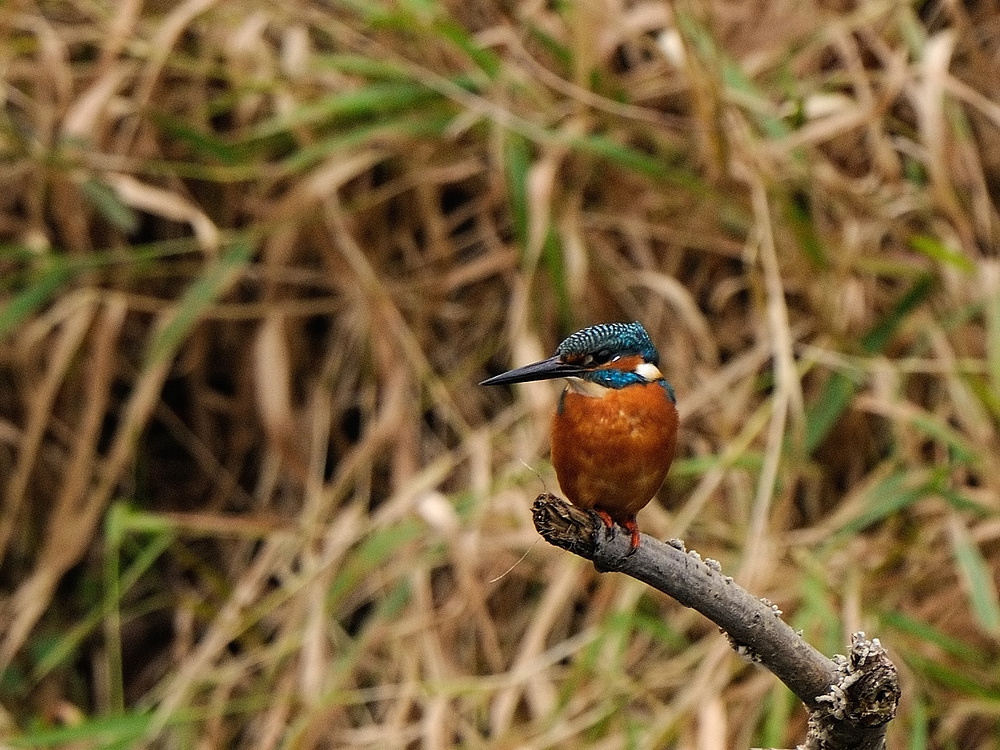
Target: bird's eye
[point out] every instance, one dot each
(599, 358)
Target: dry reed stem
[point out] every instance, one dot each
(761, 185)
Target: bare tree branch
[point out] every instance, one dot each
(850, 699)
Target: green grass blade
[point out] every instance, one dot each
(978, 578)
(517, 156)
(983, 387)
(739, 87)
(835, 397)
(893, 494)
(364, 67)
(484, 59)
(552, 257)
(101, 732)
(935, 249)
(700, 465)
(24, 304)
(991, 311)
(919, 729)
(816, 615)
(204, 144)
(379, 547)
(964, 503)
(429, 123)
(552, 46)
(206, 289)
(661, 169)
(800, 221)
(106, 202)
(778, 712)
(879, 336)
(962, 681)
(929, 634)
(373, 101)
(823, 413)
(958, 447)
(115, 528)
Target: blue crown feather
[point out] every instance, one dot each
(615, 338)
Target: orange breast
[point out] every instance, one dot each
(613, 452)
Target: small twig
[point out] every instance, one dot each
(850, 700)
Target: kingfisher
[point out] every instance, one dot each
(615, 427)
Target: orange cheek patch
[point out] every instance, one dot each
(625, 364)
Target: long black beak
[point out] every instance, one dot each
(547, 369)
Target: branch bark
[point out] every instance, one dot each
(850, 699)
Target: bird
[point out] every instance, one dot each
(614, 430)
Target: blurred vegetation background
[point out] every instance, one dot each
(255, 257)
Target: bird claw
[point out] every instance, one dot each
(629, 525)
(605, 521)
(608, 521)
(633, 528)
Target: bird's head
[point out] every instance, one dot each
(612, 355)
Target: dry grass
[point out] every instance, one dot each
(256, 257)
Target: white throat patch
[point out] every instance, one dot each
(587, 388)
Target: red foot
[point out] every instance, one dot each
(606, 518)
(633, 528)
(628, 524)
